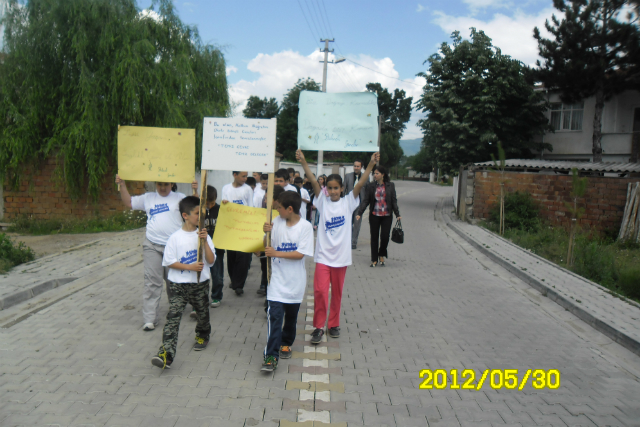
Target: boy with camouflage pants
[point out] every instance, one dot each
(180, 255)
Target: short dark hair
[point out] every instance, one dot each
(359, 161)
(291, 171)
(383, 171)
(258, 173)
(298, 180)
(251, 181)
(334, 177)
(264, 177)
(290, 198)
(235, 172)
(277, 191)
(188, 204)
(282, 173)
(212, 193)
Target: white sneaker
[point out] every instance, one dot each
(148, 327)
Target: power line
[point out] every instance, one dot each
(311, 16)
(321, 19)
(327, 15)
(315, 40)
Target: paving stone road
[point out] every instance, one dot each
(439, 304)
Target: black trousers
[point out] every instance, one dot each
(279, 334)
(238, 267)
(380, 230)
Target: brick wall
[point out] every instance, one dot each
(603, 202)
(42, 196)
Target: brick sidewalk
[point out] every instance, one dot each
(85, 360)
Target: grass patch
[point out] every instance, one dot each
(120, 221)
(12, 254)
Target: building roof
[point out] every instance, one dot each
(563, 165)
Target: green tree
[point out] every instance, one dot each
(595, 52)
(74, 70)
(421, 162)
(395, 110)
(287, 130)
(261, 108)
(390, 150)
(474, 97)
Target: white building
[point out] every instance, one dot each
(573, 124)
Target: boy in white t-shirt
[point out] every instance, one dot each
(304, 194)
(259, 192)
(180, 255)
(291, 240)
(238, 263)
(333, 246)
(163, 219)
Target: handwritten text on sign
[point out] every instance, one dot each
(239, 144)
(338, 121)
(239, 228)
(156, 154)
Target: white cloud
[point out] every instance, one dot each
(475, 5)
(420, 8)
(512, 34)
(148, 13)
(278, 72)
(231, 69)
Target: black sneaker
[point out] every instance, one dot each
(201, 344)
(316, 336)
(161, 361)
(261, 291)
(270, 364)
(239, 291)
(334, 332)
(285, 352)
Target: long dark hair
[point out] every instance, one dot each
(324, 180)
(383, 171)
(334, 177)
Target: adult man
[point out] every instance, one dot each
(350, 180)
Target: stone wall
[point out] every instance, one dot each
(41, 195)
(604, 199)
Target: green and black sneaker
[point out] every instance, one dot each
(270, 364)
(201, 344)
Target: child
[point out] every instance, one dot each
(180, 256)
(238, 263)
(251, 182)
(217, 271)
(333, 247)
(163, 219)
(277, 190)
(292, 239)
(305, 197)
(259, 193)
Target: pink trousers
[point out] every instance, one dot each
(324, 277)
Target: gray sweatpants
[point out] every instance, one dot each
(154, 274)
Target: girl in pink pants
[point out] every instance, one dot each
(333, 245)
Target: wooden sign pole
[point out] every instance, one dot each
(202, 216)
(269, 204)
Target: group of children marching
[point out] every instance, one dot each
(171, 245)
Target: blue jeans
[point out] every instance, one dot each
(217, 275)
(279, 334)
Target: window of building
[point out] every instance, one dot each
(566, 116)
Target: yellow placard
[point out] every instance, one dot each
(239, 228)
(156, 154)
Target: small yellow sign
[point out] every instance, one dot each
(156, 154)
(239, 228)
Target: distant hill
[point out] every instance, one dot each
(410, 146)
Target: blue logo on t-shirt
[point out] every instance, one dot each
(287, 247)
(238, 202)
(189, 258)
(159, 208)
(335, 223)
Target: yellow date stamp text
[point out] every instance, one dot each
(496, 379)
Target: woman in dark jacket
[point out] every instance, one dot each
(380, 197)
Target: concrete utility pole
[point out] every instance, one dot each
(324, 89)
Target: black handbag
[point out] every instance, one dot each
(397, 235)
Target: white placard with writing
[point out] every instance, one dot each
(239, 144)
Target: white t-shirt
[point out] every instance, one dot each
(241, 195)
(163, 214)
(290, 187)
(258, 195)
(289, 276)
(182, 247)
(303, 206)
(333, 246)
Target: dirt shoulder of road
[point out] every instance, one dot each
(53, 243)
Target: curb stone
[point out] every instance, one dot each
(615, 334)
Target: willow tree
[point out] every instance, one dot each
(73, 70)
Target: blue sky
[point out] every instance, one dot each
(268, 45)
